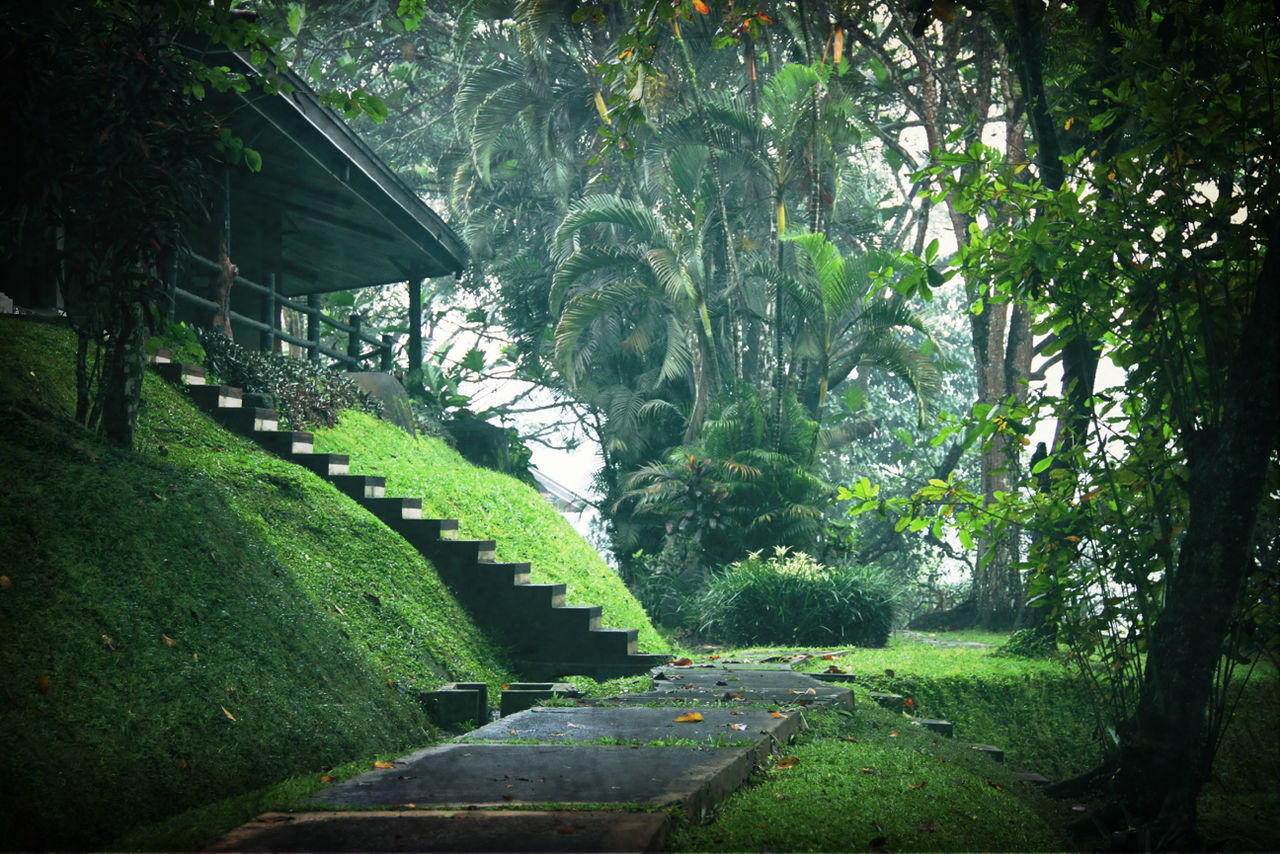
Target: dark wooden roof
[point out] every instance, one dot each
(324, 211)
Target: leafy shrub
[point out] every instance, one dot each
(1029, 643)
(790, 598)
(304, 393)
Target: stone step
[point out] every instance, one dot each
(892, 702)
(323, 464)
(458, 557)
(182, 374)
(489, 575)
(391, 511)
(1032, 779)
(996, 754)
(519, 696)
(451, 830)
(360, 486)
(518, 775)
(946, 729)
(246, 419)
(422, 534)
(285, 443)
(211, 397)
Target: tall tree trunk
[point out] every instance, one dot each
(1164, 752)
(126, 362)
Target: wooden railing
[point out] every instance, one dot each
(353, 359)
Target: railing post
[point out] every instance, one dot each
(353, 340)
(415, 323)
(313, 327)
(387, 363)
(271, 314)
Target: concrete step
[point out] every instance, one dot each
(489, 575)
(422, 534)
(285, 443)
(181, 374)
(211, 397)
(323, 464)
(946, 729)
(451, 830)
(392, 511)
(245, 419)
(459, 557)
(359, 486)
(995, 753)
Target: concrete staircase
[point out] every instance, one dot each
(546, 637)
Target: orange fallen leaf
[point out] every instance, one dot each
(701, 6)
(834, 669)
(225, 712)
(828, 658)
(995, 786)
(168, 641)
(182, 763)
(893, 733)
(778, 714)
(911, 704)
(383, 765)
(42, 684)
(869, 770)
(5, 583)
(681, 662)
(919, 785)
(850, 739)
(715, 658)
(739, 727)
(328, 778)
(690, 718)
(788, 762)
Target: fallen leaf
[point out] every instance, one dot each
(893, 733)
(995, 786)
(737, 713)
(739, 727)
(383, 765)
(690, 718)
(828, 658)
(788, 762)
(911, 704)
(225, 712)
(850, 739)
(870, 769)
(5, 583)
(715, 658)
(834, 669)
(182, 763)
(681, 662)
(778, 714)
(168, 641)
(919, 785)
(564, 830)
(812, 692)
(328, 778)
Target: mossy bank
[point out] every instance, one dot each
(197, 619)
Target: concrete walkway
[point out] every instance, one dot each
(604, 776)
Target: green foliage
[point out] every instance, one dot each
(305, 393)
(1029, 643)
(191, 620)
(790, 598)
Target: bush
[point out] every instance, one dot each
(793, 599)
(304, 393)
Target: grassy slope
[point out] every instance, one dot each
(192, 621)
(490, 506)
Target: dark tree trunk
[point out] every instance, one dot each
(1164, 755)
(126, 362)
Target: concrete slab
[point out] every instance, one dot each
(466, 830)
(719, 727)
(731, 684)
(509, 774)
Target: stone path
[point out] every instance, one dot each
(543, 779)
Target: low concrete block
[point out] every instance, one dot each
(996, 754)
(458, 704)
(892, 702)
(519, 696)
(946, 729)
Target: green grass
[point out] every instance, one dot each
(490, 506)
(857, 782)
(193, 621)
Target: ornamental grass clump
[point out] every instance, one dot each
(790, 598)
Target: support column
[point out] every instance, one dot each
(415, 325)
(313, 327)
